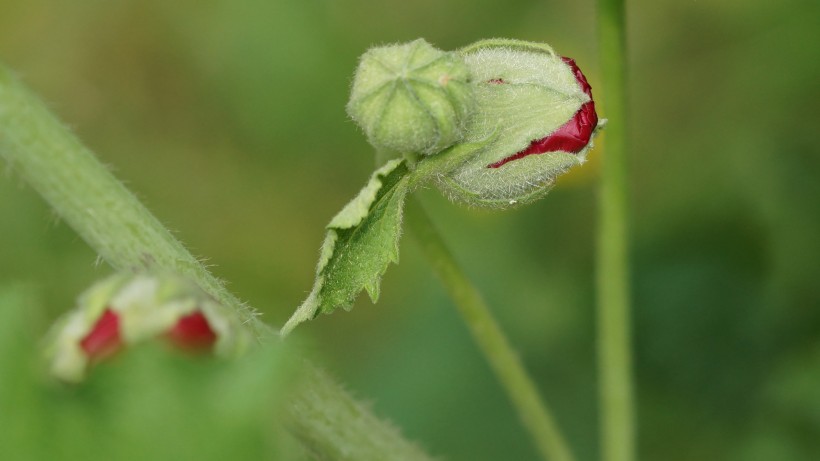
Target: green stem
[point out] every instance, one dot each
(614, 345)
(346, 430)
(114, 223)
(90, 199)
(533, 412)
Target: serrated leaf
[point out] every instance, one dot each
(361, 241)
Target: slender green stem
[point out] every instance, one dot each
(614, 345)
(115, 224)
(503, 360)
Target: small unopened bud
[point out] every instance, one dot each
(104, 338)
(411, 98)
(192, 332)
(537, 107)
(125, 309)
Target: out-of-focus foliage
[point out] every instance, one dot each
(228, 119)
(148, 403)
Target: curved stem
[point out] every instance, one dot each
(533, 412)
(114, 223)
(614, 353)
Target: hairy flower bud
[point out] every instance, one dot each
(126, 309)
(537, 108)
(411, 98)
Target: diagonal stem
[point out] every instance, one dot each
(532, 410)
(91, 200)
(331, 424)
(612, 265)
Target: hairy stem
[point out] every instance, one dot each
(532, 410)
(115, 224)
(346, 430)
(614, 344)
(90, 199)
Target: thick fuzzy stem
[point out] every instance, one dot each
(346, 430)
(90, 199)
(115, 224)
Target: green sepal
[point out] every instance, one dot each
(361, 241)
(539, 94)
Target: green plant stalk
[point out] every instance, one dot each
(532, 410)
(90, 199)
(612, 265)
(126, 235)
(327, 431)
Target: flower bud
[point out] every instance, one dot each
(537, 108)
(126, 309)
(411, 98)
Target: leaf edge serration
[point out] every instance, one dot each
(352, 215)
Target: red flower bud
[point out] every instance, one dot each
(534, 121)
(192, 332)
(104, 338)
(571, 137)
(126, 309)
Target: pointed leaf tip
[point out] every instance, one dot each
(361, 242)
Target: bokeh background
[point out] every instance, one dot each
(227, 118)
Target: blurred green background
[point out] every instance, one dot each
(227, 118)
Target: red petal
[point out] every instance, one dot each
(579, 76)
(572, 136)
(104, 339)
(193, 332)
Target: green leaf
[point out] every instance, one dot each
(361, 241)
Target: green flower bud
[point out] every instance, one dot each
(411, 98)
(536, 108)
